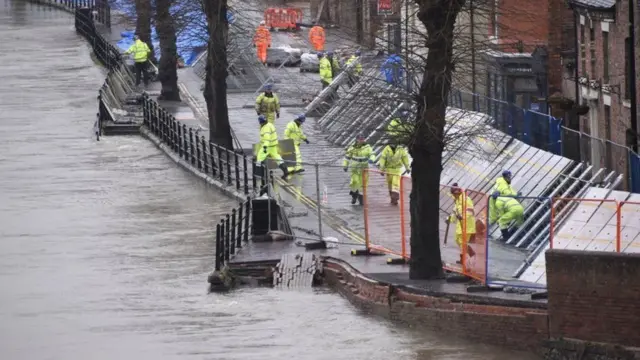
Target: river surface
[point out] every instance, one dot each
(105, 246)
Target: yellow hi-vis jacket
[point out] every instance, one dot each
(358, 157)
(268, 136)
(358, 67)
(502, 206)
(399, 129)
(140, 51)
(326, 74)
(392, 161)
(267, 105)
(462, 202)
(294, 132)
(504, 188)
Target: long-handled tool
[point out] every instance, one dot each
(446, 233)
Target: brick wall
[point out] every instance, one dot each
(593, 296)
(525, 21)
(511, 326)
(560, 37)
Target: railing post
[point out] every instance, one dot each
(198, 153)
(185, 142)
(240, 220)
(218, 247)
(233, 231)
(227, 253)
(163, 126)
(254, 180)
(235, 155)
(222, 244)
(203, 145)
(220, 169)
(174, 135)
(229, 179)
(246, 177)
(145, 110)
(180, 144)
(191, 149)
(212, 159)
(246, 219)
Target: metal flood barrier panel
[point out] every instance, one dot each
(592, 225)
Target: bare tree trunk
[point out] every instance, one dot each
(143, 24)
(215, 89)
(167, 69)
(438, 16)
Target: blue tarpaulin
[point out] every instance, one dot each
(392, 70)
(191, 41)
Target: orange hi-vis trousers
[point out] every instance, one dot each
(262, 52)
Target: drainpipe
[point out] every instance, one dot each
(632, 75)
(576, 20)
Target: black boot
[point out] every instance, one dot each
(354, 197)
(360, 199)
(285, 171)
(505, 234)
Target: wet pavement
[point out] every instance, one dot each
(106, 245)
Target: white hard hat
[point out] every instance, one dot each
(262, 22)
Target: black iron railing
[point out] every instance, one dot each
(233, 169)
(232, 232)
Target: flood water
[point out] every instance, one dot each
(105, 246)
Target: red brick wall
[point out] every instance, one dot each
(594, 296)
(561, 37)
(511, 326)
(525, 21)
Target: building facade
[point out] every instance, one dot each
(600, 76)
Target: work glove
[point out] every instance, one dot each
(345, 169)
(519, 193)
(447, 221)
(264, 148)
(382, 173)
(306, 141)
(258, 112)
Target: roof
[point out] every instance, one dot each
(594, 4)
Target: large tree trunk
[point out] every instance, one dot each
(143, 24)
(438, 16)
(215, 88)
(167, 69)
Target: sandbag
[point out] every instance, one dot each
(309, 62)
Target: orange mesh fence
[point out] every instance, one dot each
(383, 225)
(282, 19)
(474, 248)
(629, 227)
(584, 224)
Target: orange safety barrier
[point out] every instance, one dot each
(388, 226)
(584, 224)
(628, 227)
(382, 225)
(282, 19)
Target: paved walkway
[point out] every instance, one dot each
(341, 219)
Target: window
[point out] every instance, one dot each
(628, 83)
(583, 52)
(605, 57)
(592, 51)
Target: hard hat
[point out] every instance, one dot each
(360, 137)
(262, 119)
(329, 53)
(320, 54)
(506, 174)
(404, 114)
(358, 52)
(268, 87)
(262, 22)
(301, 118)
(455, 189)
(495, 194)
